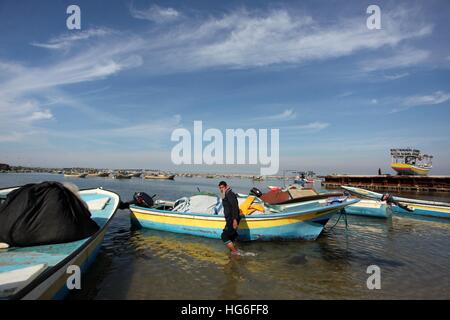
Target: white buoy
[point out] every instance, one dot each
(4, 245)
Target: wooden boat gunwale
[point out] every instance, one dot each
(46, 274)
(319, 196)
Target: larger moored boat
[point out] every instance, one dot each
(410, 162)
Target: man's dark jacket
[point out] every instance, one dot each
(230, 206)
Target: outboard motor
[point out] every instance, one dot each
(256, 192)
(390, 200)
(143, 200)
(139, 199)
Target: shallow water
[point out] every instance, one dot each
(413, 255)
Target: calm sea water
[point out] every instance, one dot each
(413, 255)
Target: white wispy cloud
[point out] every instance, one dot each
(18, 117)
(405, 103)
(28, 92)
(39, 115)
(437, 97)
(162, 126)
(156, 129)
(315, 126)
(405, 57)
(244, 39)
(249, 39)
(309, 127)
(345, 94)
(287, 114)
(396, 76)
(8, 67)
(155, 13)
(238, 39)
(92, 64)
(67, 40)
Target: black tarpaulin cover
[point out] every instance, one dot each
(44, 213)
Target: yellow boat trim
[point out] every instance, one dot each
(425, 207)
(420, 171)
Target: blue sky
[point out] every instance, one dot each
(110, 94)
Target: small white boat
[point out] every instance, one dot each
(122, 176)
(75, 175)
(159, 177)
(406, 205)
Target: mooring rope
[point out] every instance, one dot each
(343, 212)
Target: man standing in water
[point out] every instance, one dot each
(232, 217)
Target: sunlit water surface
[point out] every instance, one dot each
(413, 255)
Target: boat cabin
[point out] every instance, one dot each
(412, 157)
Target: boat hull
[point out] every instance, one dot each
(370, 208)
(103, 175)
(307, 226)
(55, 286)
(171, 177)
(408, 169)
(83, 175)
(423, 210)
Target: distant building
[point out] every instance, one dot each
(4, 167)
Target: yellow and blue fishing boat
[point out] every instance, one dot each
(296, 221)
(405, 205)
(41, 272)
